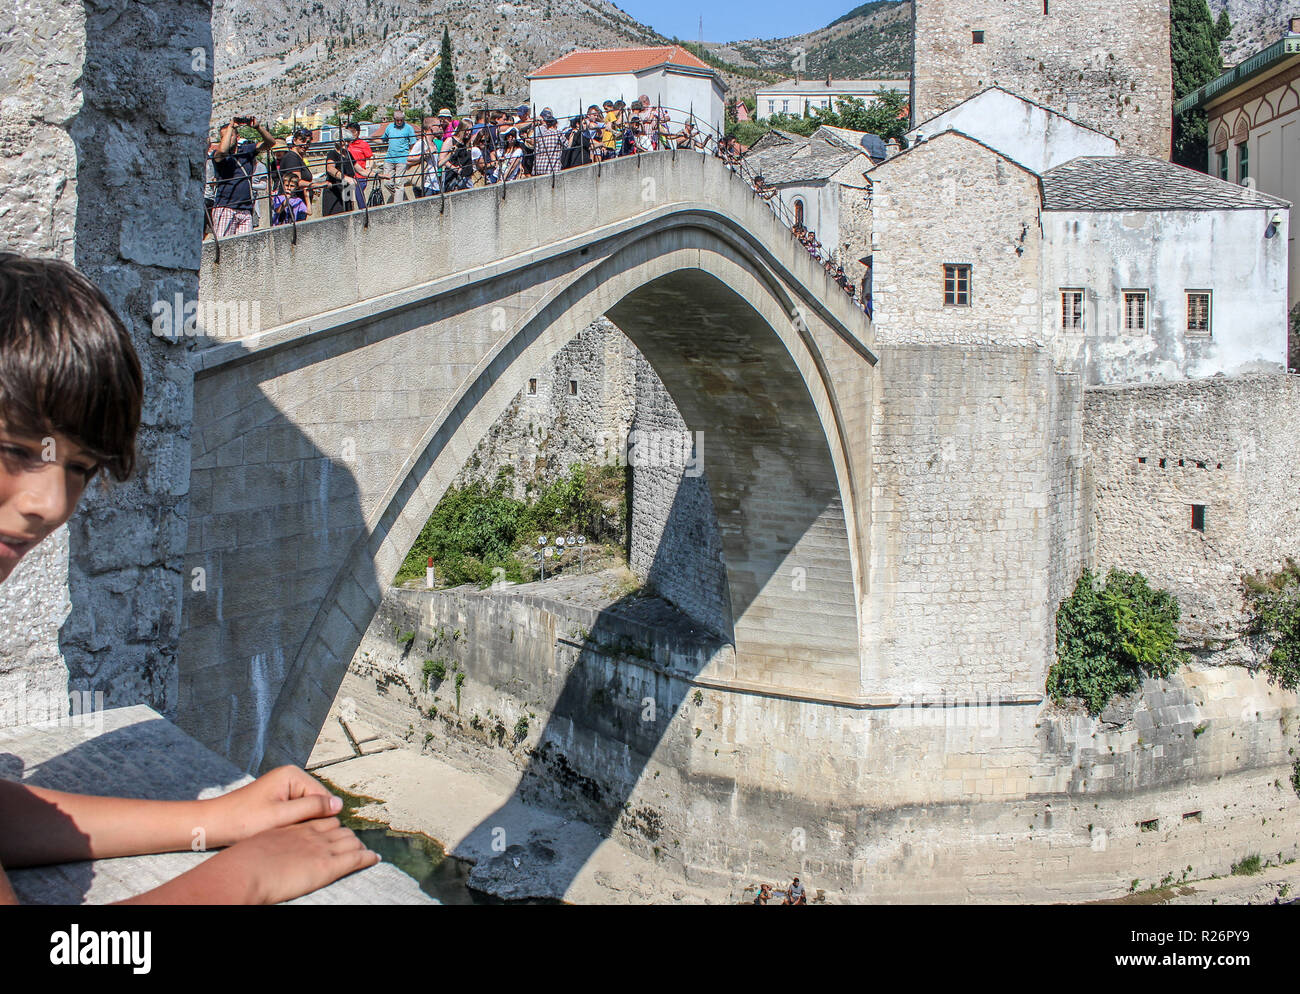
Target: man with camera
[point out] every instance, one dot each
(234, 163)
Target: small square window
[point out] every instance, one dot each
(956, 285)
(1198, 517)
(1198, 312)
(1071, 310)
(573, 388)
(977, 37)
(532, 388)
(1135, 310)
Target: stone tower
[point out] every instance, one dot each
(1103, 62)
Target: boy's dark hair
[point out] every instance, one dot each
(67, 363)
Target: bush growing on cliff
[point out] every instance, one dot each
(1275, 609)
(1109, 637)
(476, 529)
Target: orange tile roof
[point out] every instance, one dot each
(606, 61)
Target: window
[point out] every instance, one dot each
(1071, 310)
(1243, 163)
(1044, 7)
(532, 387)
(1135, 310)
(573, 388)
(771, 107)
(1198, 517)
(1198, 312)
(785, 106)
(977, 37)
(956, 285)
(1223, 164)
(798, 211)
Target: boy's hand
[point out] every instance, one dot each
(284, 863)
(272, 866)
(285, 796)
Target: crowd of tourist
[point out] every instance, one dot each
(443, 153)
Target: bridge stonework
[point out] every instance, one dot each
(323, 442)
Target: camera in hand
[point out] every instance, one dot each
(242, 121)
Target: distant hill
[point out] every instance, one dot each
(872, 40)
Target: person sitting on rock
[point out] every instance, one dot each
(70, 396)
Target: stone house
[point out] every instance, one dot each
(1130, 268)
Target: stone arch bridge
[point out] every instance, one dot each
(389, 344)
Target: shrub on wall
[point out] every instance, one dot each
(1275, 608)
(1109, 637)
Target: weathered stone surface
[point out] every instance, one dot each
(1103, 62)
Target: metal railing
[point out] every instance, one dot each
(665, 134)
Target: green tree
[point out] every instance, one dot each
(1223, 26)
(1194, 53)
(444, 78)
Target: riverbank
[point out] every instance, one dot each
(478, 817)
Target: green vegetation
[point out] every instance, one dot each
(477, 529)
(443, 93)
(460, 682)
(1248, 866)
(1295, 777)
(1108, 638)
(1194, 51)
(1275, 605)
(880, 118)
(521, 728)
(434, 669)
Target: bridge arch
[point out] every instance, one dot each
(750, 358)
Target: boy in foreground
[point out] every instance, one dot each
(70, 397)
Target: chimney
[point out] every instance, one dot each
(1295, 25)
(892, 148)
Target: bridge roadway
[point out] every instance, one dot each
(389, 344)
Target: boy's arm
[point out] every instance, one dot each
(40, 826)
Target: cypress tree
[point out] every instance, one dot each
(444, 79)
(1194, 52)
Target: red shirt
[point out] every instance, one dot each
(361, 153)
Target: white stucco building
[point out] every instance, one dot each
(801, 96)
(1253, 118)
(669, 75)
(1031, 134)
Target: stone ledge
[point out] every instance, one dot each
(135, 752)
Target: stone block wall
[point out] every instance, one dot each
(106, 106)
(975, 475)
(1105, 63)
(1227, 444)
(546, 429)
(951, 200)
(675, 546)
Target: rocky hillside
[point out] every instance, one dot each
(1256, 24)
(272, 57)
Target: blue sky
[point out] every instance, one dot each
(731, 20)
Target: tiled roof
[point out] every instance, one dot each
(812, 160)
(873, 145)
(1142, 183)
(606, 61)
